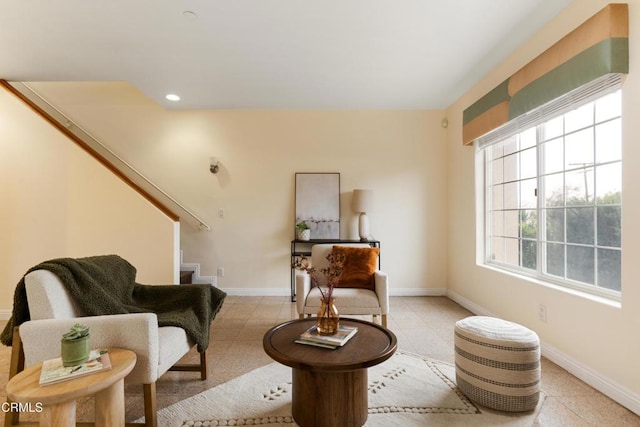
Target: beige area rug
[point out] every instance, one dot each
(406, 390)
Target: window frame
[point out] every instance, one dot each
(485, 159)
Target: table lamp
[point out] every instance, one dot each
(362, 203)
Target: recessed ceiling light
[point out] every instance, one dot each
(172, 97)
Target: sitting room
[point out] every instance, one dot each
(462, 162)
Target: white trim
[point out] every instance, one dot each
(5, 314)
(197, 278)
(394, 292)
(177, 253)
(258, 292)
(417, 292)
(621, 394)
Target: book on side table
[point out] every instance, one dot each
(340, 338)
(54, 372)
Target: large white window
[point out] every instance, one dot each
(553, 198)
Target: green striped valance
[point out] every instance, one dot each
(600, 46)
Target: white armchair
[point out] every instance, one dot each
(53, 312)
(350, 301)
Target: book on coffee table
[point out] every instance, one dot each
(340, 338)
(54, 372)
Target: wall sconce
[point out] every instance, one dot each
(213, 165)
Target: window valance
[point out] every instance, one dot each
(598, 47)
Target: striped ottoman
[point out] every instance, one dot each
(497, 363)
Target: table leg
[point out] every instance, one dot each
(110, 406)
(330, 399)
(60, 415)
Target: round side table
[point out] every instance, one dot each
(59, 400)
(330, 387)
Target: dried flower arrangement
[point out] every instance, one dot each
(332, 273)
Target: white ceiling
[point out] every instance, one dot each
(270, 54)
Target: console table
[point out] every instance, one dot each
(303, 248)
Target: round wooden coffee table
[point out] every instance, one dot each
(59, 400)
(330, 387)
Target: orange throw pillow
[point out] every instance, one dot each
(359, 266)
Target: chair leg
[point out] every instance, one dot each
(301, 316)
(384, 320)
(16, 365)
(150, 405)
(194, 367)
(203, 365)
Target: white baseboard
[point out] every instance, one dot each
(395, 292)
(621, 394)
(5, 314)
(606, 386)
(417, 292)
(258, 292)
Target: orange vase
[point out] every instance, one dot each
(328, 317)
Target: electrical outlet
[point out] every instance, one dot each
(220, 271)
(542, 312)
(220, 213)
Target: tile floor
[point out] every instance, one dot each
(423, 325)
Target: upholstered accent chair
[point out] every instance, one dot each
(53, 311)
(362, 290)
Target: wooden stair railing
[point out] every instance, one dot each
(126, 172)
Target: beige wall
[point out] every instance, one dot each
(400, 155)
(58, 202)
(596, 340)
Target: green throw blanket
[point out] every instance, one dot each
(106, 285)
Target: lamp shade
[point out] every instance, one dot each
(362, 200)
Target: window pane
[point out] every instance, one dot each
(609, 226)
(555, 225)
(608, 141)
(554, 190)
(579, 187)
(497, 223)
(553, 156)
(497, 246)
(579, 149)
(529, 254)
(555, 259)
(580, 225)
(511, 145)
(609, 267)
(528, 163)
(528, 224)
(512, 254)
(497, 197)
(579, 118)
(609, 184)
(497, 175)
(528, 138)
(510, 171)
(608, 106)
(511, 223)
(511, 195)
(497, 151)
(528, 197)
(580, 264)
(553, 128)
